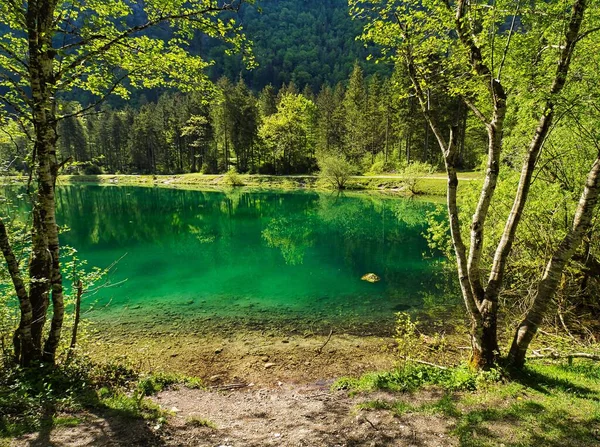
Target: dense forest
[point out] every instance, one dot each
(312, 94)
(369, 121)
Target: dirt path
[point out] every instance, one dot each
(289, 415)
(294, 416)
(285, 399)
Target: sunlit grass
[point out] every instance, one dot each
(547, 404)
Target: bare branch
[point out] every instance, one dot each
(510, 34)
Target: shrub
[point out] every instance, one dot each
(413, 171)
(92, 169)
(232, 178)
(335, 171)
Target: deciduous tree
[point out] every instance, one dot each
(49, 47)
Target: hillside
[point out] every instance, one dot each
(309, 42)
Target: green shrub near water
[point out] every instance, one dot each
(410, 377)
(335, 171)
(232, 178)
(32, 398)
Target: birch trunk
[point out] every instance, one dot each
(44, 267)
(554, 269)
(23, 340)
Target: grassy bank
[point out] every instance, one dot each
(548, 403)
(434, 185)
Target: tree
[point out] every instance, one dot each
(484, 55)
(355, 108)
(335, 170)
(287, 133)
(52, 47)
(330, 121)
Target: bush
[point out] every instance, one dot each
(413, 171)
(232, 178)
(335, 171)
(92, 169)
(377, 168)
(381, 166)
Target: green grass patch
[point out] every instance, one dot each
(66, 421)
(413, 376)
(427, 184)
(547, 404)
(431, 186)
(397, 407)
(197, 421)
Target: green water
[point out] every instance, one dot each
(250, 256)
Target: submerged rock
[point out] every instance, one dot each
(371, 277)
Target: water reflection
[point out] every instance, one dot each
(240, 250)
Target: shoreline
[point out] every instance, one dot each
(427, 185)
(229, 349)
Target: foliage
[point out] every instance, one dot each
(288, 134)
(192, 132)
(335, 171)
(451, 48)
(406, 334)
(103, 49)
(30, 398)
(412, 172)
(410, 377)
(232, 178)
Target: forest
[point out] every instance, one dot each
(367, 120)
(471, 318)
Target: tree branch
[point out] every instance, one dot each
(504, 247)
(99, 101)
(510, 34)
(135, 29)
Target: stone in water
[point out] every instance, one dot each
(371, 277)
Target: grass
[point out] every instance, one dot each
(546, 404)
(411, 377)
(38, 399)
(197, 421)
(434, 184)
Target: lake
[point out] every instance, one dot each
(252, 258)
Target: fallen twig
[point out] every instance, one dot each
(423, 362)
(320, 350)
(228, 387)
(370, 423)
(573, 355)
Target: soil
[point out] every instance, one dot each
(289, 415)
(263, 390)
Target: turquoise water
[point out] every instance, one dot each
(250, 255)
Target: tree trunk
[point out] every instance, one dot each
(23, 340)
(44, 267)
(547, 286)
(484, 338)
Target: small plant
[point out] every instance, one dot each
(335, 171)
(412, 172)
(232, 178)
(410, 377)
(197, 421)
(407, 335)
